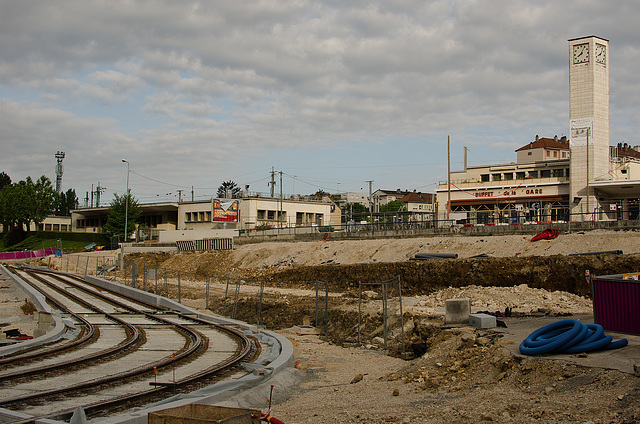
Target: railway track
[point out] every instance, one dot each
(119, 353)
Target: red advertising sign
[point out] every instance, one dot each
(224, 211)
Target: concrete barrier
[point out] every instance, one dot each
(456, 311)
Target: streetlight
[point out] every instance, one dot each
(126, 207)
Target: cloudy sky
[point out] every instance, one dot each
(331, 93)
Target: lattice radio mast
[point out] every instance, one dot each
(59, 171)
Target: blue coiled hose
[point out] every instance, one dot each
(568, 336)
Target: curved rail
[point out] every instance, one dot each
(196, 342)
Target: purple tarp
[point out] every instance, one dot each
(27, 254)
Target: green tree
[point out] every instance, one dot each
(393, 206)
(25, 202)
(66, 202)
(5, 180)
(118, 211)
(14, 200)
(355, 212)
(44, 196)
(228, 190)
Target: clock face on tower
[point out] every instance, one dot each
(581, 53)
(601, 54)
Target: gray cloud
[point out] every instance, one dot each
(216, 87)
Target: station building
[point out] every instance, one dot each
(201, 217)
(556, 179)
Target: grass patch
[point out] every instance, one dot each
(36, 242)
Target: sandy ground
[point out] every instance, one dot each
(393, 250)
(468, 375)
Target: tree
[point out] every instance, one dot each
(5, 180)
(14, 201)
(355, 212)
(393, 206)
(44, 196)
(117, 213)
(228, 190)
(66, 202)
(26, 201)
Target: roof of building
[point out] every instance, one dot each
(397, 192)
(547, 143)
(417, 197)
(625, 150)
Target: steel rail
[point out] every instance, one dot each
(245, 350)
(133, 339)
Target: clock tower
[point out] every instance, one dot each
(588, 120)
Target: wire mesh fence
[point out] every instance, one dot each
(358, 312)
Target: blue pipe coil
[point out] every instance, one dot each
(568, 336)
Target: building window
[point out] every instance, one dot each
(484, 177)
(555, 154)
(262, 214)
(529, 153)
(520, 175)
(508, 175)
(496, 177)
(545, 173)
(558, 172)
(533, 174)
(271, 215)
(548, 154)
(564, 154)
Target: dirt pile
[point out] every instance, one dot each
(465, 376)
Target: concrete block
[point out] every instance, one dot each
(482, 320)
(456, 311)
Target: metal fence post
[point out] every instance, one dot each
(206, 302)
(401, 315)
(326, 309)
(384, 312)
(235, 298)
(260, 303)
(166, 285)
(359, 309)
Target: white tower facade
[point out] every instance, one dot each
(589, 119)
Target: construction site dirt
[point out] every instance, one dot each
(467, 374)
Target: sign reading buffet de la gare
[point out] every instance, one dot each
(508, 193)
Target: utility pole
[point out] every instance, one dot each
(272, 183)
(370, 202)
(192, 196)
(587, 173)
(281, 218)
(448, 176)
(465, 157)
(99, 191)
(180, 196)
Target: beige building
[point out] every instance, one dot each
(534, 188)
(198, 216)
(580, 178)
